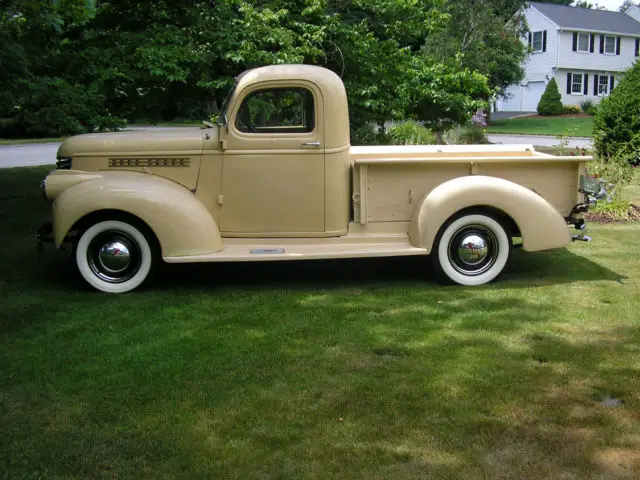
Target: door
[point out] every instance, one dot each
(532, 94)
(273, 164)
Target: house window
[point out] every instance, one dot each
(603, 84)
(536, 42)
(610, 45)
(583, 42)
(576, 83)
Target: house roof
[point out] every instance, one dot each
(575, 18)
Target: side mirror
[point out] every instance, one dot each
(222, 120)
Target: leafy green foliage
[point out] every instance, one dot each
(52, 106)
(158, 60)
(411, 133)
(484, 37)
(588, 107)
(551, 101)
(617, 121)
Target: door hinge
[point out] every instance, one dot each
(220, 199)
(223, 144)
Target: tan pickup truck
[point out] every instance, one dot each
(277, 179)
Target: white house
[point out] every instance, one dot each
(585, 50)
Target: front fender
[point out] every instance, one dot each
(179, 220)
(541, 225)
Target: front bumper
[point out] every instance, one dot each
(44, 234)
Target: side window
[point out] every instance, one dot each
(277, 110)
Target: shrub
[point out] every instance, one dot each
(570, 109)
(411, 133)
(588, 107)
(473, 135)
(617, 121)
(52, 106)
(551, 102)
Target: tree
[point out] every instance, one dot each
(627, 4)
(551, 101)
(617, 120)
(485, 38)
(159, 59)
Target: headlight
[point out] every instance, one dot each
(63, 163)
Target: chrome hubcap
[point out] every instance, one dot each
(114, 256)
(473, 250)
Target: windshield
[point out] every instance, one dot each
(222, 119)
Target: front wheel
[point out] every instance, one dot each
(114, 256)
(472, 249)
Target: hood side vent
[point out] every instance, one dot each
(149, 162)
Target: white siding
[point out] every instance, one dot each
(538, 65)
(567, 58)
(524, 97)
(578, 98)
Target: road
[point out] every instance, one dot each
(541, 140)
(45, 153)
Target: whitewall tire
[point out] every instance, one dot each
(115, 256)
(472, 249)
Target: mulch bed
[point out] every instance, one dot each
(633, 215)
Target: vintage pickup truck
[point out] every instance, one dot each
(277, 179)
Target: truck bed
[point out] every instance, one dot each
(389, 181)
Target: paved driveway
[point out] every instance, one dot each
(541, 140)
(28, 155)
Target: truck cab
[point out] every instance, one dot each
(284, 139)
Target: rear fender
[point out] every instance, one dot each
(181, 223)
(542, 227)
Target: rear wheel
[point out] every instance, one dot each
(116, 256)
(471, 249)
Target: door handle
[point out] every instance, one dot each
(310, 144)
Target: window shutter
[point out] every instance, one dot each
(569, 82)
(611, 83)
(575, 41)
(637, 47)
(585, 84)
(617, 45)
(529, 39)
(601, 43)
(595, 84)
(592, 40)
(544, 40)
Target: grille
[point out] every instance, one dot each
(149, 162)
(63, 163)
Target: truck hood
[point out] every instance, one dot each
(182, 140)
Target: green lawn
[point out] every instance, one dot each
(556, 126)
(343, 369)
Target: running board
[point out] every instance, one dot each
(308, 251)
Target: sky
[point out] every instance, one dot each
(608, 4)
